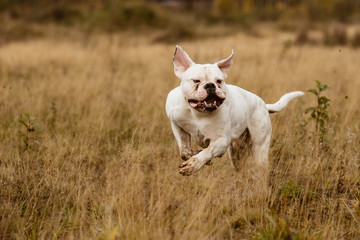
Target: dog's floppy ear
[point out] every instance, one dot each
(182, 61)
(225, 64)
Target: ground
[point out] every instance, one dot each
(104, 164)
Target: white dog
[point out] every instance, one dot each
(216, 115)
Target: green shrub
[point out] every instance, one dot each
(293, 191)
(319, 113)
(277, 228)
(29, 127)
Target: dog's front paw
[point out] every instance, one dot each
(187, 155)
(190, 166)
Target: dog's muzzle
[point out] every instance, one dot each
(210, 88)
(211, 103)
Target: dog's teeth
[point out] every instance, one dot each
(215, 103)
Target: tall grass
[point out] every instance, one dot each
(104, 164)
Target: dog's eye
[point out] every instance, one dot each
(196, 81)
(218, 81)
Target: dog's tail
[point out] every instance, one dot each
(283, 102)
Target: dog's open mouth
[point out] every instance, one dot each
(211, 103)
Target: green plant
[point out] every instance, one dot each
(30, 127)
(319, 114)
(277, 228)
(293, 191)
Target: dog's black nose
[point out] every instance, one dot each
(210, 88)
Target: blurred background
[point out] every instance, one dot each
(176, 20)
(86, 149)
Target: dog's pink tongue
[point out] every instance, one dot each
(194, 104)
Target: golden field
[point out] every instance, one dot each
(104, 164)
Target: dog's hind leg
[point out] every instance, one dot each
(261, 152)
(260, 132)
(239, 150)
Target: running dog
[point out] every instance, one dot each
(217, 115)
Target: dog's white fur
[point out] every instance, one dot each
(217, 128)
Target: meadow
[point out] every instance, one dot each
(100, 161)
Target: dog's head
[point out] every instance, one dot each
(203, 85)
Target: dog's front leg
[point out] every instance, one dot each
(183, 141)
(216, 148)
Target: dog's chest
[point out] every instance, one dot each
(199, 134)
(202, 131)
(201, 140)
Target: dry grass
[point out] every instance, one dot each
(104, 165)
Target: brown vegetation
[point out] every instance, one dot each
(104, 164)
(100, 162)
